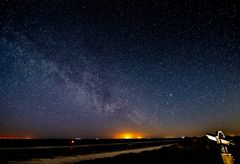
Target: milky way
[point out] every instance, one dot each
(93, 69)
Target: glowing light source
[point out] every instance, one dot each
(128, 136)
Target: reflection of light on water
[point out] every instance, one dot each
(128, 136)
(92, 156)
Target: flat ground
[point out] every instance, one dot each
(189, 151)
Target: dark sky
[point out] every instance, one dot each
(96, 68)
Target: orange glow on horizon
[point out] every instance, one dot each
(128, 135)
(15, 137)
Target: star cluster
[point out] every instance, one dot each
(95, 68)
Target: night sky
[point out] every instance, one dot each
(98, 68)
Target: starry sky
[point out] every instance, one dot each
(97, 68)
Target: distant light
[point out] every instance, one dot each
(15, 137)
(97, 138)
(129, 135)
(72, 142)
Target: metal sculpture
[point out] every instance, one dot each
(220, 139)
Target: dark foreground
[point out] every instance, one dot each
(187, 150)
(27, 150)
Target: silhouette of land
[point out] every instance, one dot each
(178, 150)
(187, 151)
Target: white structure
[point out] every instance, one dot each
(220, 139)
